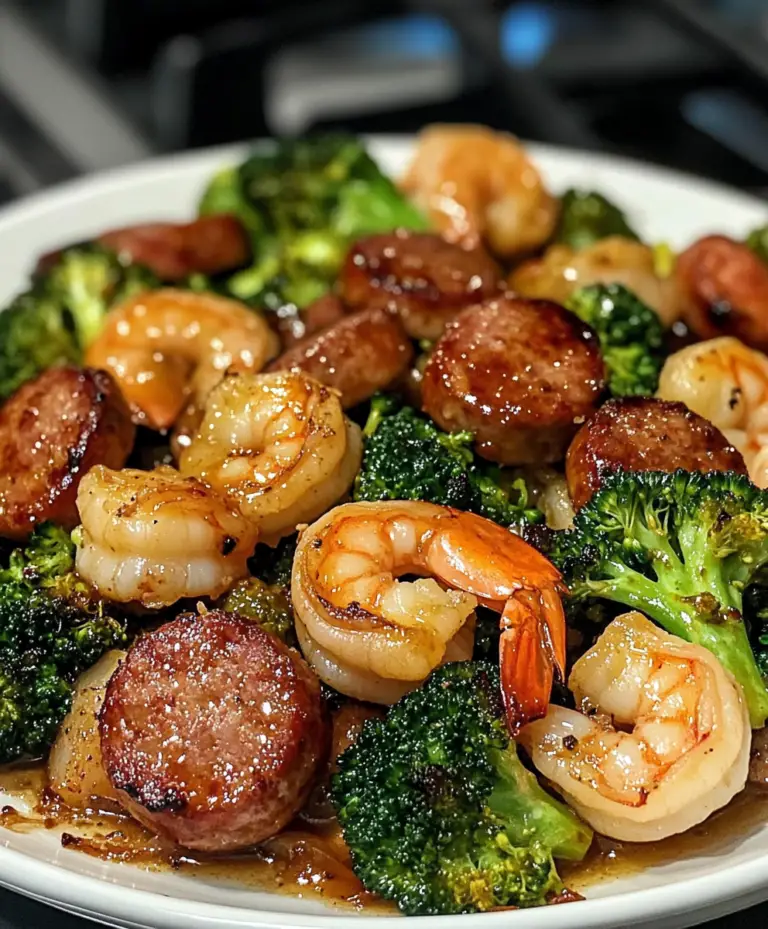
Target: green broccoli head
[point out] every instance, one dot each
(630, 333)
(681, 547)
(50, 632)
(267, 604)
(437, 809)
(48, 556)
(273, 565)
(757, 240)
(34, 335)
(55, 321)
(756, 618)
(587, 216)
(87, 280)
(408, 458)
(304, 202)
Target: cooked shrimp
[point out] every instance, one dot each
(479, 185)
(375, 637)
(726, 383)
(549, 491)
(662, 741)
(278, 446)
(614, 260)
(156, 537)
(168, 346)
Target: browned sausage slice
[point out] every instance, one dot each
(644, 434)
(319, 315)
(426, 279)
(174, 250)
(357, 356)
(522, 375)
(724, 288)
(53, 430)
(212, 731)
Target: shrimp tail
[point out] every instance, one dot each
(531, 653)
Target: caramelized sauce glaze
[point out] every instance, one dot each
(310, 859)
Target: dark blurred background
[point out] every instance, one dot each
(89, 84)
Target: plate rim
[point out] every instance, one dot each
(101, 898)
(102, 182)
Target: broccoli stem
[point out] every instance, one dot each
(696, 616)
(530, 814)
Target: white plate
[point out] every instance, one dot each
(663, 206)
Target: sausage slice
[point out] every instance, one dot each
(173, 250)
(52, 431)
(644, 434)
(319, 315)
(522, 375)
(426, 279)
(357, 356)
(724, 288)
(212, 731)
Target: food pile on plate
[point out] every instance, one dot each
(434, 506)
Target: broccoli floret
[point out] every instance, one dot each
(87, 280)
(757, 240)
(437, 809)
(50, 632)
(630, 333)
(408, 458)
(682, 548)
(587, 216)
(268, 604)
(304, 201)
(34, 336)
(55, 321)
(756, 618)
(274, 565)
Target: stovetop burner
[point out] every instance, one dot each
(88, 84)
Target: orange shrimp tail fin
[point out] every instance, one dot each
(531, 653)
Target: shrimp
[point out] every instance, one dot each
(168, 346)
(477, 185)
(375, 637)
(156, 537)
(549, 492)
(662, 741)
(727, 383)
(278, 447)
(614, 260)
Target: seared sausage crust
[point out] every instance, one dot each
(724, 287)
(319, 315)
(174, 250)
(426, 279)
(52, 431)
(212, 731)
(644, 434)
(522, 375)
(357, 356)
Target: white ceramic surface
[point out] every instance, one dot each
(663, 206)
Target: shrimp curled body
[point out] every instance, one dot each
(170, 347)
(375, 637)
(685, 755)
(727, 383)
(477, 185)
(278, 447)
(156, 537)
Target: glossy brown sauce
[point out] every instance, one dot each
(609, 859)
(310, 859)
